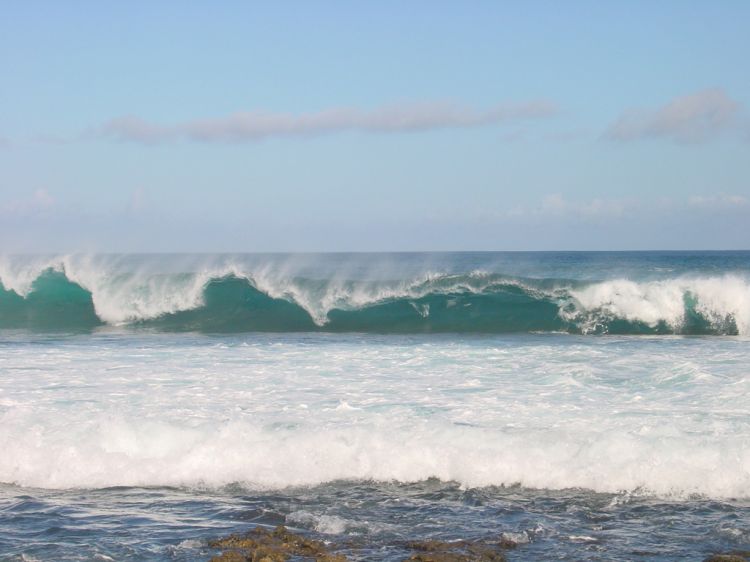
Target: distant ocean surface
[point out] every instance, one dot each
(581, 405)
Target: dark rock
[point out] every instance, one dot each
(262, 545)
(731, 557)
(459, 551)
(230, 556)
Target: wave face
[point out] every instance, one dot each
(237, 294)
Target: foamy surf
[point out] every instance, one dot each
(542, 412)
(119, 452)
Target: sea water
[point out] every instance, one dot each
(584, 406)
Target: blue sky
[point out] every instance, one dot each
(325, 126)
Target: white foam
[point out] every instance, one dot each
(122, 290)
(132, 453)
(326, 524)
(340, 293)
(717, 299)
(190, 544)
(18, 274)
(516, 538)
(180, 413)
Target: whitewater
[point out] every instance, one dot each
(583, 406)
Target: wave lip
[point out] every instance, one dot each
(719, 305)
(83, 293)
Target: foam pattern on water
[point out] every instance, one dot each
(647, 415)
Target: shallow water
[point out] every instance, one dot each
(367, 521)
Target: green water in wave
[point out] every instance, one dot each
(231, 304)
(54, 303)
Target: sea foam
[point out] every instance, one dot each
(542, 412)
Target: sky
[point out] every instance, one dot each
(374, 126)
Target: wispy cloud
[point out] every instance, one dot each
(37, 202)
(601, 209)
(693, 118)
(559, 207)
(720, 201)
(51, 139)
(137, 201)
(254, 126)
(556, 204)
(570, 135)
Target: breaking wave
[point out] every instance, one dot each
(117, 452)
(75, 294)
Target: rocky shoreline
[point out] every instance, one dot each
(280, 544)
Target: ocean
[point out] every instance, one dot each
(570, 405)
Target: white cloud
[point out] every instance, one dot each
(722, 200)
(253, 126)
(39, 201)
(50, 139)
(692, 118)
(556, 204)
(137, 201)
(570, 135)
(42, 198)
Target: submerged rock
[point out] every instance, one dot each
(458, 551)
(262, 545)
(280, 544)
(743, 556)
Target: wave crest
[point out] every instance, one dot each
(83, 292)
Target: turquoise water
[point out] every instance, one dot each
(587, 406)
